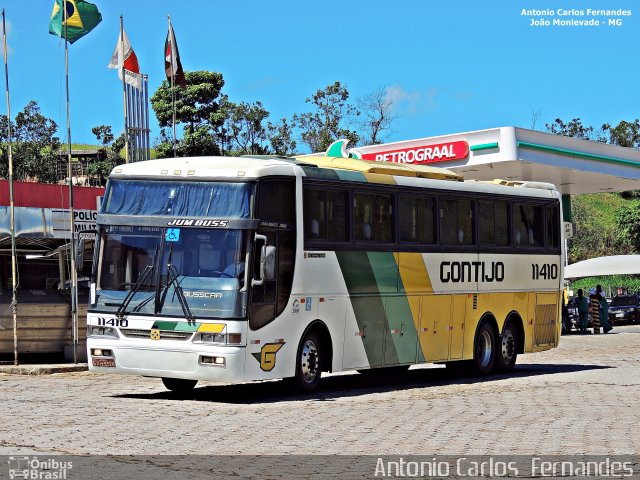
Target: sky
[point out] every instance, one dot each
(450, 66)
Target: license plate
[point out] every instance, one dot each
(619, 315)
(103, 362)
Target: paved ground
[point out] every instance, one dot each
(581, 398)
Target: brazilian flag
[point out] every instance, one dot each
(81, 18)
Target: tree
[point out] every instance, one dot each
(576, 129)
(246, 128)
(625, 134)
(281, 138)
(108, 153)
(326, 124)
(376, 116)
(198, 107)
(35, 146)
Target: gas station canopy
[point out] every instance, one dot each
(516, 154)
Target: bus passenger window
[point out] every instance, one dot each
(325, 215)
(456, 222)
(528, 226)
(493, 223)
(553, 227)
(363, 205)
(416, 220)
(373, 217)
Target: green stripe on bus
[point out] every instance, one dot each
(367, 304)
(351, 176)
(402, 343)
(187, 327)
(159, 325)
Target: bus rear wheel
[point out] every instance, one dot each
(484, 349)
(309, 363)
(179, 385)
(507, 350)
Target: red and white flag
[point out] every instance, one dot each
(131, 68)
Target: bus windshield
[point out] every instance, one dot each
(166, 198)
(146, 270)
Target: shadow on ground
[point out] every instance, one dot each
(342, 386)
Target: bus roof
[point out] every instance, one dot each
(320, 167)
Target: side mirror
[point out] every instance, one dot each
(267, 261)
(80, 254)
(83, 236)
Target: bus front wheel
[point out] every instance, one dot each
(179, 385)
(309, 362)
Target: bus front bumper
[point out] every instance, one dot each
(191, 362)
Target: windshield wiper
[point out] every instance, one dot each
(172, 279)
(122, 309)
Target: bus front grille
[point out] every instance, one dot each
(164, 334)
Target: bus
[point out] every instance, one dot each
(245, 269)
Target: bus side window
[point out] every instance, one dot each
(325, 216)
(553, 227)
(456, 222)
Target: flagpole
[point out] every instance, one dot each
(74, 273)
(124, 92)
(14, 258)
(173, 87)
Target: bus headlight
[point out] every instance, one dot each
(221, 338)
(95, 331)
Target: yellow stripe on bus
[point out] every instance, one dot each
(211, 327)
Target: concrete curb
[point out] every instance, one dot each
(42, 369)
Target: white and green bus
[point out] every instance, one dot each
(241, 269)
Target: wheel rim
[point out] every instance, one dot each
(485, 348)
(508, 346)
(309, 361)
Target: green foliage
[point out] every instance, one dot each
(35, 146)
(596, 228)
(326, 124)
(610, 283)
(575, 129)
(109, 154)
(628, 219)
(625, 134)
(281, 138)
(246, 129)
(199, 107)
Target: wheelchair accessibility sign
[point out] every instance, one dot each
(172, 235)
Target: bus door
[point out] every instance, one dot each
(275, 210)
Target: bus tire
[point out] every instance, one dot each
(309, 362)
(484, 349)
(507, 351)
(179, 385)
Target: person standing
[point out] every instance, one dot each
(594, 310)
(583, 311)
(603, 310)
